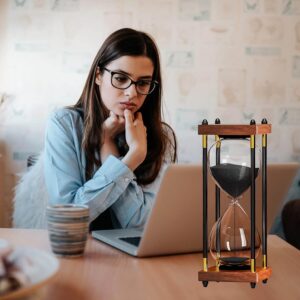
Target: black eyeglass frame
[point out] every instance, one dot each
(112, 73)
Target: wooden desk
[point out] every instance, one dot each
(106, 273)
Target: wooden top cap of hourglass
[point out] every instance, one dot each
(220, 129)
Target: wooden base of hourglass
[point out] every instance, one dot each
(213, 274)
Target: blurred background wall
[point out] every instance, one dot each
(235, 60)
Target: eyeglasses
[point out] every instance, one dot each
(123, 82)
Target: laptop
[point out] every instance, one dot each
(174, 225)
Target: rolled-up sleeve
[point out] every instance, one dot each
(112, 185)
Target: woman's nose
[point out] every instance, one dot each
(131, 91)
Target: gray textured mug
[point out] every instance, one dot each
(68, 227)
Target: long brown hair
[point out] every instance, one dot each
(161, 140)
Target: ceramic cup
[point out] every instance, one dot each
(68, 227)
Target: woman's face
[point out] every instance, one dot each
(117, 100)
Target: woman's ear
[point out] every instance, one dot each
(98, 78)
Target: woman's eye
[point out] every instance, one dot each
(120, 78)
(144, 83)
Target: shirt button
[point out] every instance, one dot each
(127, 179)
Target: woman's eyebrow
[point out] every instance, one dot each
(130, 75)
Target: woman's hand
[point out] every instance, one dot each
(136, 138)
(112, 126)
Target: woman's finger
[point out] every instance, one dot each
(121, 120)
(139, 116)
(128, 117)
(138, 119)
(113, 116)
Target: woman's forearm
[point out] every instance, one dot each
(108, 148)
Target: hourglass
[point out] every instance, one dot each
(230, 237)
(233, 161)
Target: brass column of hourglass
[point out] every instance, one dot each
(238, 267)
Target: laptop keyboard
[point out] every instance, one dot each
(132, 240)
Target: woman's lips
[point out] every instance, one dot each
(127, 105)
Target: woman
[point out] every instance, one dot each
(108, 150)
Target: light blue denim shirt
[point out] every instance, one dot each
(113, 184)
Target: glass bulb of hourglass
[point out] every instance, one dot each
(230, 167)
